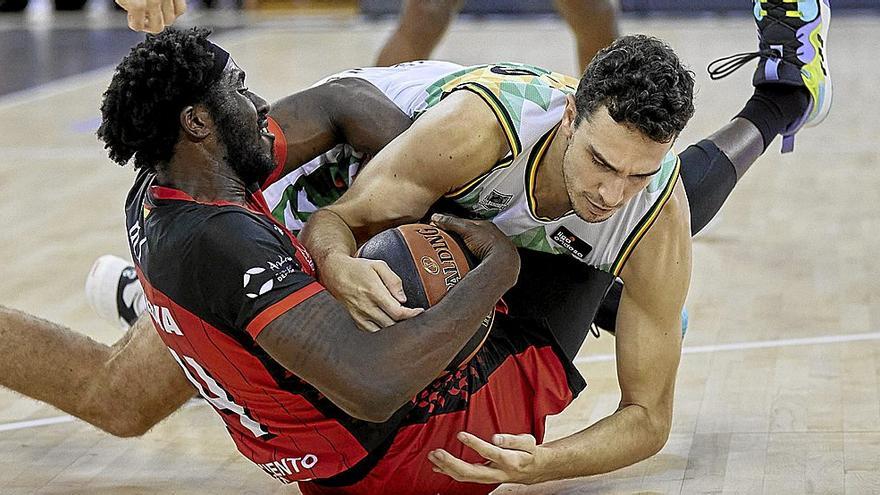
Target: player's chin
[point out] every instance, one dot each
(588, 215)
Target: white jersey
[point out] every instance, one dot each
(528, 103)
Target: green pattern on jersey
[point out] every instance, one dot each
(512, 84)
(534, 239)
(667, 167)
(322, 187)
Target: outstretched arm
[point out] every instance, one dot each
(648, 343)
(124, 389)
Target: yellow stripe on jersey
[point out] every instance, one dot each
(465, 189)
(532, 171)
(646, 222)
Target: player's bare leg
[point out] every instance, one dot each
(593, 23)
(123, 389)
(420, 28)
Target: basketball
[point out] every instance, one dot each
(429, 262)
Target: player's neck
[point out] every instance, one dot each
(551, 196)
(203, 177)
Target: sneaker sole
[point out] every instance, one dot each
(101, 295)
(825, 13)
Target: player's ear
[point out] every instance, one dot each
(569, 117)
(195, 120)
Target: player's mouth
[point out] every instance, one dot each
(598, 210)
(265, 133)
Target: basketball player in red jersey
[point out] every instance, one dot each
(278, 358)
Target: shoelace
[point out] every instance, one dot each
(725, 66)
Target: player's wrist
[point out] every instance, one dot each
(332, 267)
(503, 263)
(547, 462)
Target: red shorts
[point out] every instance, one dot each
(510, 386)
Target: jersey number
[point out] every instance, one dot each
(218, 397)
(513, 71)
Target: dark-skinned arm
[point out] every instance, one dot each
(348, 110)
(370, 375)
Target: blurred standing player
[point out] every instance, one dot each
(423, 23)
(421, 26)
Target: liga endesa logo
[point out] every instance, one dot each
(577, 247)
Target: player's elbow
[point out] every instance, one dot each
(370, 396)
(123, 422)
(659, 425)
(376, 412)
(655, 424)
(377, 407)
(129, 426)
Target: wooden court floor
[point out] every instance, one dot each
(779, 387)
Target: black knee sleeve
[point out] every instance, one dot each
(708, 177)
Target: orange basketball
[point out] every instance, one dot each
(430, 262)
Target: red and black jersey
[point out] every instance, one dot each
(215, 274)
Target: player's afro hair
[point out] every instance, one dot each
(642, 83)
(151, 86)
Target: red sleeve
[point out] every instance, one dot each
(279, 153)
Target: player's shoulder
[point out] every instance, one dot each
(668, 242)
(224, 227)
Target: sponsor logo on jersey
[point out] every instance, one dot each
(260, 280)
(496, 201)
(256, 289)
(289, 466)
(572, 243)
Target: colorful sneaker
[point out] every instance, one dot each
(791, 50)
(114, 292)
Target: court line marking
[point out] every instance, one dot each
(760, 344)
(700, 349)
(33, 423)
(36, 423)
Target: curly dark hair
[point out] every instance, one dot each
(151, 86)
(642, 83)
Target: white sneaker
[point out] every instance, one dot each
(114, 292)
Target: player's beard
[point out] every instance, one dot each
(245, 149)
